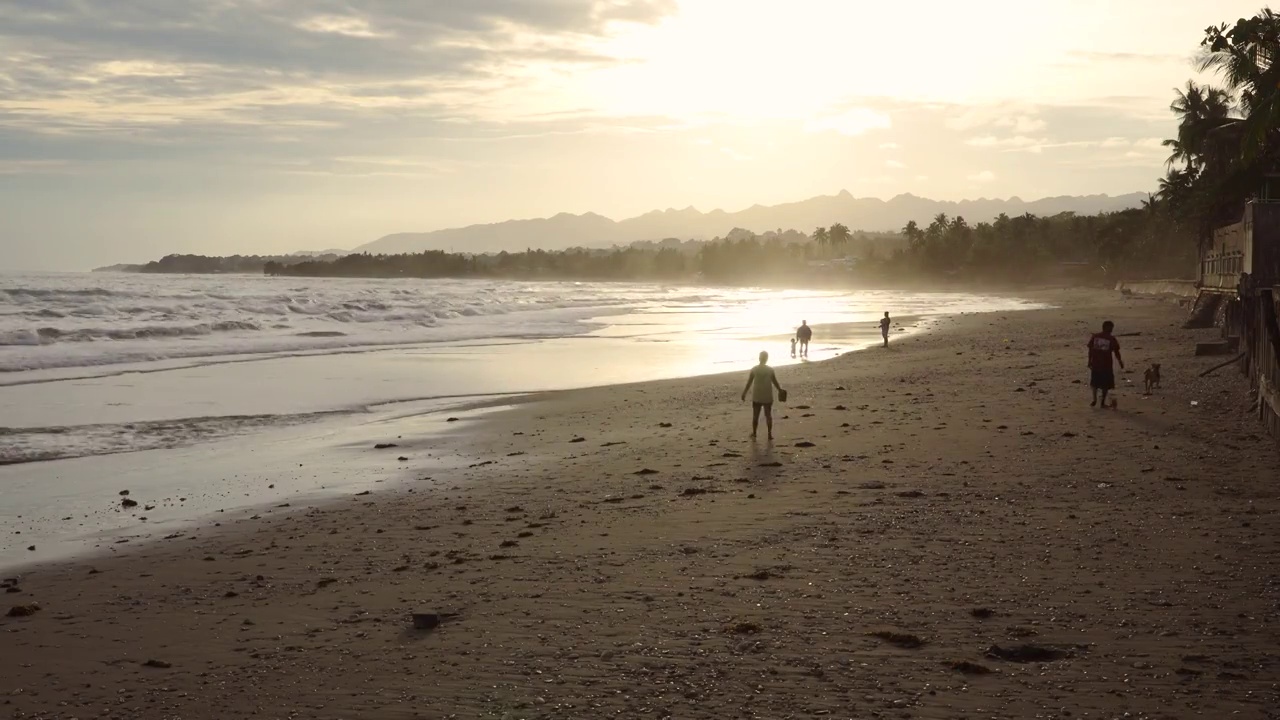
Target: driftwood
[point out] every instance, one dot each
(1216, 368)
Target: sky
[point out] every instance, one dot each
(131, 129)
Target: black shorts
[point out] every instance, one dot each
(1102, 379)
(755, 406)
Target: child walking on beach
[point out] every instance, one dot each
(764, 380)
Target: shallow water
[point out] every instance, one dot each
(93, 394)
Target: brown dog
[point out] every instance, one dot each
(1151, 377)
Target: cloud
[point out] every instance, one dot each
(1021, 124)
(895, 164)
(1015, 142)
(855, 121)
(1096, 56)
(985, 176)
(972, 118)
(71, 67)
(339, 25)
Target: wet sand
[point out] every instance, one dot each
(943, 529)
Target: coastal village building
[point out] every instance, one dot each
(1240, 273)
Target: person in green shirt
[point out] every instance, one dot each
(764, 380)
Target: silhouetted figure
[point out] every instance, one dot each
(884, 328)
(804, 334)
(1102, 376)
(763, 379)
(793, 347)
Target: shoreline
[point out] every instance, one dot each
(953, 473)
(108, 539)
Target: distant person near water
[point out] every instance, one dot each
(884, 328)
(764, 380)
(793, 347)
(804, 334)
(1102, 375)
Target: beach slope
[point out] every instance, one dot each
(943, 529)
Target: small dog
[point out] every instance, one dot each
(1151, 377)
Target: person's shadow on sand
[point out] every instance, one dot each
(762, 462)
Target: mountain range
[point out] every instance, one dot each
(871, 214)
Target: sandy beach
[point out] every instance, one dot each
(942, 529)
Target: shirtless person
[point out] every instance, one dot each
(884, 327)
(764, 380)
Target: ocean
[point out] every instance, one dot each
(109, 378)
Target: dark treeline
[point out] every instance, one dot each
(212, 265)
(196, 264)
(1025, 248)
(740, 257)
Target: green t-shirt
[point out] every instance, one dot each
(762, 384)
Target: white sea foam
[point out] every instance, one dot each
(59, 321)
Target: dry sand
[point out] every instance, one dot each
(627, 552)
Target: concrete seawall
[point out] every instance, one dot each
(1179, 288)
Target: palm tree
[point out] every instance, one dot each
(914, 235)
(1246, 58)
(1200, 109)
(821, 237)
(839, 235)
(1179, 154)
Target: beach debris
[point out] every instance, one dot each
(128, 503)
(508, 544)
(402, 458)
(384, 446)
(982, 613)
(645, 471)
(664, 425)
(690, 492)
(767, 573)
(743, 628)
(872, 485)
(775, 463)
(578, 440)
(1027, 653)
(910, 494)
(615, 442)
(124, 492)
(899, 639)
(161, 664)
(969, 668)
(454, 419)
(366, 492)
(805, 444)
(430, 620)
(802, 407)
(23, 610)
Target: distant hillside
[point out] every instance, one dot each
(871, 214)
